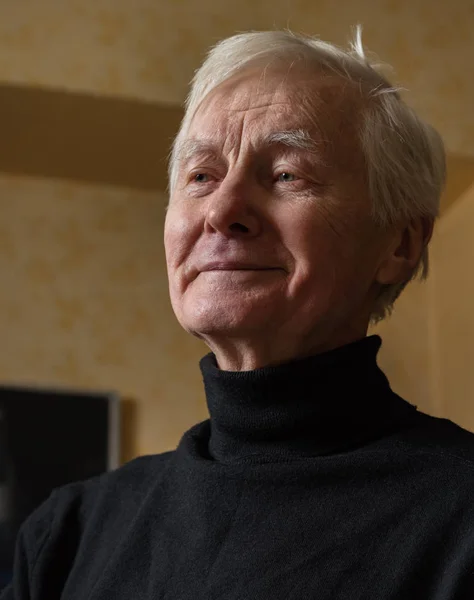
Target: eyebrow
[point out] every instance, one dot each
(189, 148)
(296, 139)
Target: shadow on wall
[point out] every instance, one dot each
(128, 430)
(114, 141)
(104, 140)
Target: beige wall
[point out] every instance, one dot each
(428, 349)
(453, 255)
(147, 49)
(406, 353)
(84, 298)
(84, 303)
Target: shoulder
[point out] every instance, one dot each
(439, 439)
(132, 478)
(98, 510)
(127, 484)
(125, 487)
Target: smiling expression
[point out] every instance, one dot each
(268, 226)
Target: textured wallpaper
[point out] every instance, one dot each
(149, 49)
(454, 300)
(408, 352)
(84, 297)
(84, 302)
(430, 337)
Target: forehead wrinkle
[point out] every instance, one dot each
(234, 95)
(301, 132)
(293, 139)
(256, 107)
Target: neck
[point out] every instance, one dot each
(250, 353)
(317, 405)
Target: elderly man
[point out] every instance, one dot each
(303, 196)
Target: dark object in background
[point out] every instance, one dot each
(49, 437)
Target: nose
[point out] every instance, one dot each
(231, 209)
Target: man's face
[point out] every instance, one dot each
(268, 227)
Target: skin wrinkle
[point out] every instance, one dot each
(293, 140)
(328, 250)
(258, 107)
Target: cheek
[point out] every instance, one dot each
(314, 240)
(327, 255)
(179, 237)
(181, 232)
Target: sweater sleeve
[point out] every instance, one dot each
(31, 539)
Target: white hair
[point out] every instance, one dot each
(404, 156)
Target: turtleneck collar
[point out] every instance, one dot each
(324, 404)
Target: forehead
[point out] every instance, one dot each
(258, 100)
(256, 103)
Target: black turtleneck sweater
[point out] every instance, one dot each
(311, 480)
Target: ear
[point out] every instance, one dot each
(405, 251)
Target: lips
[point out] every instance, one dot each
(236, 266)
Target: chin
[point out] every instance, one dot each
(224, 320)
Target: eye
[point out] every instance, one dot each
(286, 177)
(201, 182)
(201, 178)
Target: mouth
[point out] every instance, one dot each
(236, 266)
